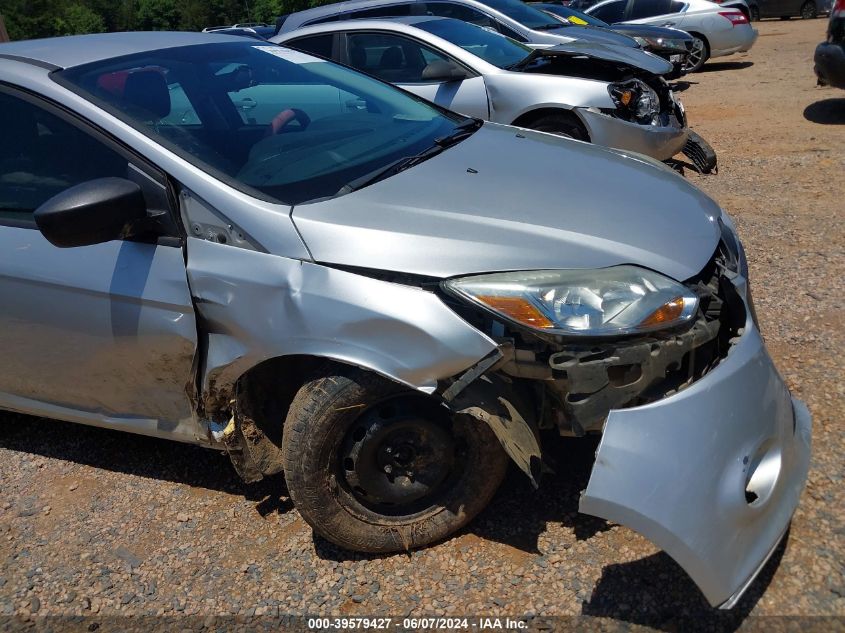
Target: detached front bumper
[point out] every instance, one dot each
(660, 142)
(712, 474)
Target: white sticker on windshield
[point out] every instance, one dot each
(290, 55)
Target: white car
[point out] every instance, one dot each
(718, 31)
(585, 91)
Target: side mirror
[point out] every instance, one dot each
(91, 212)
(441, 70)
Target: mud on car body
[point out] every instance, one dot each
(354, 287)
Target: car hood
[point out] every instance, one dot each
(644, 30)
(513, 199)
(634, 57)
(595, 35)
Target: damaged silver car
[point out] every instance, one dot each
(606, 95)
(380, 298)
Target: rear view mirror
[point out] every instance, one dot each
(442, 70)
(92, 212)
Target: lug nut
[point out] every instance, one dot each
(388, 468)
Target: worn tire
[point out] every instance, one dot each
(323, 413)
(754, 14)
(561, 124)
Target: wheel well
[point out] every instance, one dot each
(266, 391)
(526, 119)
(702, 38)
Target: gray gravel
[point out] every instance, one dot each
(97, 522)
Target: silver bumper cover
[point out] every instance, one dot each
(658, 142)
(712, 475)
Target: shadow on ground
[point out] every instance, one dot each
(652, 591)
(137, 455)
(826, 112)
(712, 67)
(681, 85)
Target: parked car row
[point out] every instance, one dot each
(590, 84)
(298, 252)
(583, 91)
(673, 45)
(717, 31)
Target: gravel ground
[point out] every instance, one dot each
(97, 522)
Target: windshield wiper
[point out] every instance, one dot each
(549, 27)
(464, 129)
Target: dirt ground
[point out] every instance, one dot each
(94, 522)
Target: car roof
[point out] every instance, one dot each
(405, 24)
(76, 50)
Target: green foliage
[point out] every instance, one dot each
(76, 18)
(27, 19)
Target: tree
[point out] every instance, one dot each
(75, 19)
(156, 15)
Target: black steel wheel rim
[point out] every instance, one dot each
(399, 455)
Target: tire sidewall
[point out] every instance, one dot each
(320, 492)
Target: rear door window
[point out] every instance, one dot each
(315, 44)
(649, 8)
(390, 57)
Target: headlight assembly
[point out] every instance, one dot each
(661, 43)
(635, 98)
(605, 302)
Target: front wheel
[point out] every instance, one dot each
(697, 56)
(375, 467)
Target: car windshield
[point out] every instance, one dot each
(492, 47)
(276, 123)
(522, 13)
(574, 17)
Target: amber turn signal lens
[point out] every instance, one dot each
(517, 309)
(626, 96)
(666, 313)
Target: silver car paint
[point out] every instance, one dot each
(511, 95)
(676, 470)
(255, 298)
(127, 305)
(465, 211)
(255, 306)
(268, 229)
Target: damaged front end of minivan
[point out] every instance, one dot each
(703, 450)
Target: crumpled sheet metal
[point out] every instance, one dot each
(256, 306)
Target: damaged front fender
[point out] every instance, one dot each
(255, 306)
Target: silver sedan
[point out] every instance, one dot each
(382, 299)
(606, 95)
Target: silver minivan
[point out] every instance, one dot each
(382, 299)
